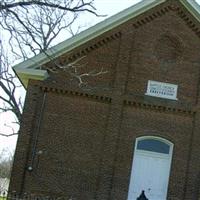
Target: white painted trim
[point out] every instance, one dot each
(193, 7)
(96, 31)
(35, 74)
(152, 154)
(86, 36)
(89, 34)
(156, 138)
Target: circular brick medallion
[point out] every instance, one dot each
(168, 48)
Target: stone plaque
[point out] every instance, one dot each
(162, 90)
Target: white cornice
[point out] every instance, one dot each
(89, 34)
(193, 7)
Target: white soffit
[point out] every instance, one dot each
(193, 7)
(27, 69)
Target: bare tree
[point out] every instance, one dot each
(4, 182)
(9, 100)
(31, 27)
(6, 161)
(34, 25)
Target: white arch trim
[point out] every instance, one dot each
(171, 145)
(156, 138)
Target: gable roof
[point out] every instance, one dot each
(29, 69)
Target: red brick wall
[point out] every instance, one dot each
(80, 142)
(153, 57)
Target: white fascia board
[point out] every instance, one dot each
(26, 74)
(34, 72)
(193, 7)
(27, 69)
(88, 34)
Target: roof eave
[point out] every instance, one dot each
(23, 69)
(28, 69)
(193, 7)
(26, 74)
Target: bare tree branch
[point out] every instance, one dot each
(8, 135)
(31, 27)
(6, 160)
(73, 69)
(88, 7)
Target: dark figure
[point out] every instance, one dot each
(142, 196)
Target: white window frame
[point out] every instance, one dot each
(171, 145)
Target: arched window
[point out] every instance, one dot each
(154, 145)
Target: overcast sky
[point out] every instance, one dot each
(108, 7)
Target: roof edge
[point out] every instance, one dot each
(27, 69)
(26, 74)
(193, 7)
(88, 34)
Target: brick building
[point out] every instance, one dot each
(133, 128)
